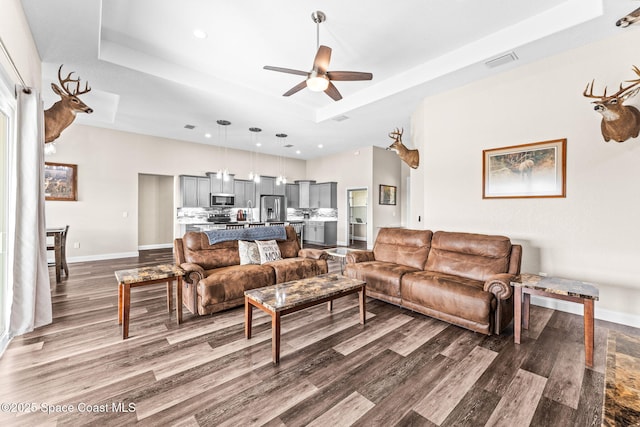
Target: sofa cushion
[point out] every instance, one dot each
(288, 269)
(381, 277)
(197, 250)
(457, 296)
(228, 283)
(289, 248)
(249, 253)
(473, 256)
(269, 251)
(402, 246)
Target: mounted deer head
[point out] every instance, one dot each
(410, 157)
(629, 19)
(619, 122)
(63, 113)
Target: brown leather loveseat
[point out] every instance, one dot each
(461, 278)
(216, 281)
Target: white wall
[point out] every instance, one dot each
(16, 35)
(351, 169)
(369, 168)
(593, 233)
(109, 162)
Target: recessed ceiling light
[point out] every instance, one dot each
(207, 135)
(258, 144)
(297, 151)
(320, 145)
(200, 34)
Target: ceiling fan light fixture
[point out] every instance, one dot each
(318, 83)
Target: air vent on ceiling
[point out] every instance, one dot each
(501, 60)
(340, 118)
(189, 127)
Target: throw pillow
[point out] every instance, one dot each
(249, 253)
(269, 250)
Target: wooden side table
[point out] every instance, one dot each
(144, 276)
(562, 289)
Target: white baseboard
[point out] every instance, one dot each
(102, 257)
(156, 246)
(599, 313)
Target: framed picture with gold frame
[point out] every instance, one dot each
(528, 170)
(60, 181)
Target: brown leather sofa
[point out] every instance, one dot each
(216, 281)
(461, 278)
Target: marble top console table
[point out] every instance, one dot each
(557, 288)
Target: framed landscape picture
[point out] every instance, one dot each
(387, 195)
(529, 170)
(60, 181)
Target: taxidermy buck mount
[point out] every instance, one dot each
(410, 157)
(63, 113)
(619, 122)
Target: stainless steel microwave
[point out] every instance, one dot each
(223, 200)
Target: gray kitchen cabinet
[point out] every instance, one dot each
(321, 232)
(244, 190)
(293, 195)
(195, 191)
(220, 186)
(267, 185)
(324, 195)
(303, 199)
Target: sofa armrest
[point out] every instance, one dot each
(355, 257)
(193, 273)
(500, 285)
(313, 253)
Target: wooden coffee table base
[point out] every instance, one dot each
(276, 316)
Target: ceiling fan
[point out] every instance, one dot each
(319, 79)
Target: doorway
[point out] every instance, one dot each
(357, 226)
(155, 211)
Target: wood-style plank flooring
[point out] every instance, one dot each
(401, 368)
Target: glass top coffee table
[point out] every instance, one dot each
(289, 297)
(340, 254)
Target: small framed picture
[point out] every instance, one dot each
(529, 170)
(387, 195)
(60, 182)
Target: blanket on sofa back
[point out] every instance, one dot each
(274, 232)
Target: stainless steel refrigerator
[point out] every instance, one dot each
(272, 209)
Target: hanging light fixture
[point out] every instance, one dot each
(223, 173)
(282, 160)
(255, 176)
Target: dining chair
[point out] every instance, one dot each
(256, 224)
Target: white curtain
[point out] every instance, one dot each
(29, 281)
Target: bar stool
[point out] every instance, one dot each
(59, 247)
(234, 226)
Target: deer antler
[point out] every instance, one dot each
(396, 134)
(619, 93)
(68, 79)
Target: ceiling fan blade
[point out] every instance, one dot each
(285, 70)
(348, 75)
(321, 61)
(332, 91)
(296, 88)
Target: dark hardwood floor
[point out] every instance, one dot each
(401, 368)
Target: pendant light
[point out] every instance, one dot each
(255, 176)
(223, 173)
